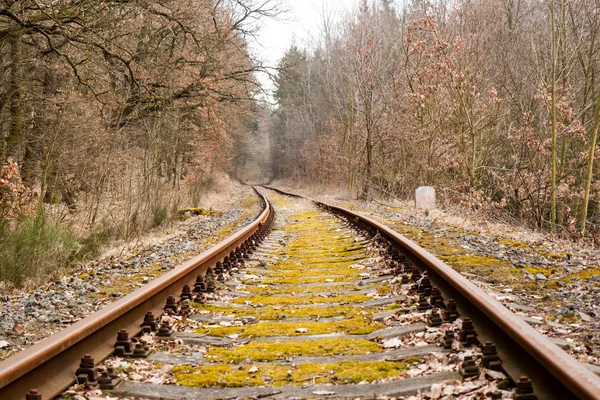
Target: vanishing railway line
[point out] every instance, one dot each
(318, 303)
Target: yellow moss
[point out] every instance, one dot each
(249, 201)
(299, 300)
(265, 351)
(296, 280)
(84, 275)
(583, 275)
(474, 261)
(185, 213)
(273, 312)
(357, 325)
(384, 290)
(344, 372)
(513, 243)
(301, 289)
(298, 270)
(555, 256)
(535, 270)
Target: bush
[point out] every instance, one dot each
(36, 248)
(159, 215)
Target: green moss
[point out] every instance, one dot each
(357, 325)
(265, 351)
(345, 372)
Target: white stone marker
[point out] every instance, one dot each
(425, 198)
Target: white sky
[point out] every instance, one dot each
(300, 24)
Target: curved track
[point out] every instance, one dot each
(523, 350)
(49, 366)
(52, 365)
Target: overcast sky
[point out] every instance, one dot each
(300, 24)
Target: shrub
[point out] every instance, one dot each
(36, 248)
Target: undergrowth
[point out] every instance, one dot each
(36, 248)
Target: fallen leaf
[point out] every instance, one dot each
(392, 343)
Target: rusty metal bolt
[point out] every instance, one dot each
(233, 259)
(185, 308)
(112, 373)
(87, 372)
(209, 275)
(468, 368)
(435, 298)
(210, 287)
(199, 298)
(165, 330)
(524, 389)
(221, 278)
(140, 351)
(226, 264)
(218, 268)
(434, 319)
(199, 286)
(171, 304)
(186, 293)
(448, 339)
(423, 304)
(425, 286)
(150, 323)
(467, 334)
(405, 279)
(490, 359)
(106, 381)
(524, 386)
(123, 341)
(238, 254)
(450, 314)
(33, 394)
(416, 275)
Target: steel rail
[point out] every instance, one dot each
(567, 377)
(50, 364)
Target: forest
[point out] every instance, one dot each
(495, 103)
(114, 114)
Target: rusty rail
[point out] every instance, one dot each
(524, 351)
(50, 364)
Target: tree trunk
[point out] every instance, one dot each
(553, 122)
(15, 134)
(590, 166)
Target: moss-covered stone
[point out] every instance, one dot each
(357, 325)
(274, 312)
(345, 372)
(300, 300)
(267, 351)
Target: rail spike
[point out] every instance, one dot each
(33, 394)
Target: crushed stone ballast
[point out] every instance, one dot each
(318, 303)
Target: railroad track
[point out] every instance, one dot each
(330, 304)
